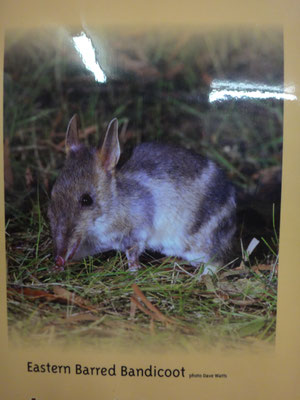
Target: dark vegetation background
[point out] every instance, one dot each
(158, 85)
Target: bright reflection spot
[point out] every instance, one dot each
(226, 90)
(86, 50)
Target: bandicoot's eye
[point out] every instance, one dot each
(86, 200)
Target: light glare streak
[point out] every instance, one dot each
(86, 50)
(226, 90)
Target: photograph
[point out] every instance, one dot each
(142, 172)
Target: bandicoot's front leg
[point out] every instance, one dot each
(132, 255)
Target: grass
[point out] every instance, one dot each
(159, 91)
(230, 309)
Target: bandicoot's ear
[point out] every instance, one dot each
(110, 150)
(72, 136)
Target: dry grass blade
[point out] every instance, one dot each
(74, 299)
(243, 302)
(155, 313)
(140, 306)
(132, 309)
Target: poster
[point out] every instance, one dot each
(222, 85)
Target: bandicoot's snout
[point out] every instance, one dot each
(59, 261)
(60, 256)
(63, 256)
